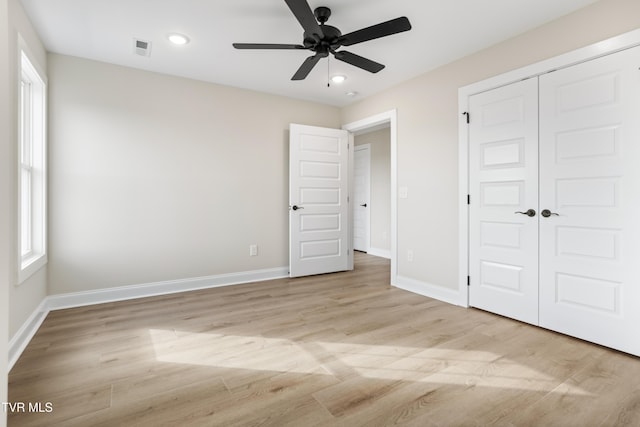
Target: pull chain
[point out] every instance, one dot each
(328, 73)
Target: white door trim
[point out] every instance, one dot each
(391, 118)
(605, 47)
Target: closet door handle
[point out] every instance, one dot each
(530, 213)
(547, 213)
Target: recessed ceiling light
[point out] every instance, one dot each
(352, 94)
(178, 39)
(338, 78)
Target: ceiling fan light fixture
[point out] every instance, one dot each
(178, 39)
(338, 78)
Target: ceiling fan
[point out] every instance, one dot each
(324, 39)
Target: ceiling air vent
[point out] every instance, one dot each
(141, 47)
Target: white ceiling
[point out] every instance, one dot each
(443, 31)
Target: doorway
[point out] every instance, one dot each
(386, 123)
(372, 193)
(315, 138)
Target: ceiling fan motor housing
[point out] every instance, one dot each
(330, 35)
(327, 42)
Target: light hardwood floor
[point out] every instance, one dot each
(342, 349)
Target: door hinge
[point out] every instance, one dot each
(466, 113)
(468, 280)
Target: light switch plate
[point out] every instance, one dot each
(403, 192)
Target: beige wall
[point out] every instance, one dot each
(5, 208)
(156, 178)
(380, 203)
(25, 297)
(428, 130)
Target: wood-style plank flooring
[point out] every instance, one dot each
(342, 349)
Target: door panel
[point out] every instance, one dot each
(318, 189)
(589, 177)
(361, 196)
(503, 173)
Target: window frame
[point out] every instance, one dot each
(32, 173)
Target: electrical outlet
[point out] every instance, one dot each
(253, 250)
(410, 255)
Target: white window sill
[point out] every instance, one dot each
(30, 266)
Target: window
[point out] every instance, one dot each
(32, 175)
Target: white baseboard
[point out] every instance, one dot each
(121, 293)
(23, 336)
(21, 339)
(450, 296)
(382, 253)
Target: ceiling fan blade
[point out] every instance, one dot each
(358, 61)
(383, 29)
(304, 15)
(267, 46)
(307, 66)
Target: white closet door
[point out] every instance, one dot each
(503, 174)
(590, 181)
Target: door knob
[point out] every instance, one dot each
(530, 212)
(296, 207)
(547, 213)
(364, 206)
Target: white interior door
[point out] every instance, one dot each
(318, 200)
(590, 181)
(503, 181)
(362, 197)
